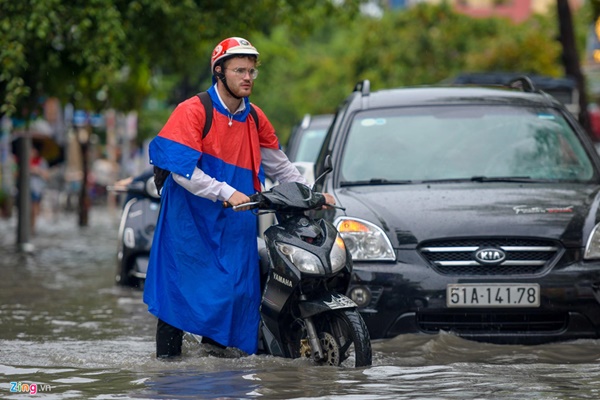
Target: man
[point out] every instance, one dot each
(203, 274)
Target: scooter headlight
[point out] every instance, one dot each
(129, 238)
(365, 241)
(338, 254)
(305, 261)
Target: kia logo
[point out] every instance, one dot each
(490, 255)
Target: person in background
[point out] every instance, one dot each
(38, 176)
(203, 272)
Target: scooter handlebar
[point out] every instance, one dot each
(251, 204)
(279, 201)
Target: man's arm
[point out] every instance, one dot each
(275, 163)
(278, 166)
(205, 186)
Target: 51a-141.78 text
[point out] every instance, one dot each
(493, 295)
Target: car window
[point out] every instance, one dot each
(310, 144)
(461, 142)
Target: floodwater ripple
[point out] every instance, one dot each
(66, 328)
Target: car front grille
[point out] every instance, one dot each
(522, 256)
(491, 322)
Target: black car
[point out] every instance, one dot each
(467, 210)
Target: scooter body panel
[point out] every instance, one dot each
(289, 291)
(329, 301)
(140, 216)
(136, 232)
(305, 268)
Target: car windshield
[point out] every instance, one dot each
(310, 144)
(478, 142)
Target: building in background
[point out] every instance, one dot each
(516, 10)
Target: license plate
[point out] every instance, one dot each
(493, 295)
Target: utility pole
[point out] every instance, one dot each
(24, 194)
(81, 122)
(571, 59)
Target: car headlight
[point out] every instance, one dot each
(304, 260)
(338, 254)
(592, 248)
(365, 241)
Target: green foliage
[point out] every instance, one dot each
(121, 53)
(156, 109)
(406, 49)
(55, 47)
(101, 53)
(526, 49)
(424, 44)
(307, 75)
(427, 44)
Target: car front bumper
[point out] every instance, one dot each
(399, 298)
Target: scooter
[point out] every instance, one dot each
(136, 229)
(305, 269)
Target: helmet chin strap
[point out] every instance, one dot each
(221, 77)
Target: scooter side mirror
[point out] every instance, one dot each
(151, 189)
(146, 188)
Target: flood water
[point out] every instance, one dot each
(69, 332)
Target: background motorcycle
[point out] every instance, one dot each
(136, 229)
(305, 268)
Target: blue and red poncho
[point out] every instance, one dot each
(203, 274)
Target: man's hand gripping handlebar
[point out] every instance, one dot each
(240, 202)
(252, 202)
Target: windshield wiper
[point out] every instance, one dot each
(375, 181)
(485, 179)
(477, 178)
(502, 179)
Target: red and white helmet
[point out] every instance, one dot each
(231, 46)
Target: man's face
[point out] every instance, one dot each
(241, 82)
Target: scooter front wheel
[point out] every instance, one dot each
(344, 338)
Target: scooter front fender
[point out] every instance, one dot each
(327, 302)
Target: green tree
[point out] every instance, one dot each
(76, 48)
(424, 44)
(100, 53)
(55, 47)
(526, 49)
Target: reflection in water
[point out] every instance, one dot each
(192, 384)
(63, 323)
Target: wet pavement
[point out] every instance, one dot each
(67, 332)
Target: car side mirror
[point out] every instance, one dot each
(327, 168)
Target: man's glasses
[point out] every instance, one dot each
(241, 72)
